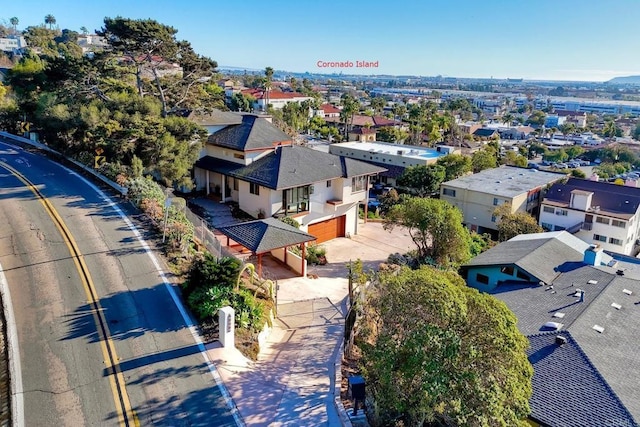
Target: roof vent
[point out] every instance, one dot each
(553, 325)
(627, 291)
(592, 282)
(616, 306)
(558, 314)
(498, 182)
(598, 328)
(620, 272)
(560, 340)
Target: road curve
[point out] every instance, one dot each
(68, 376)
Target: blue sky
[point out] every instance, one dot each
(544, 39)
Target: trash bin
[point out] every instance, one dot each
(357, 390)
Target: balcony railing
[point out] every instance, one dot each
(575, 228)
(587, 226)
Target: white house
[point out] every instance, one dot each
(12, 43)
(254, 164)
(596, 212)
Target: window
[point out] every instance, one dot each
(617, 223)
(599, 238)
(235, 184)
(449, 192)
(496, 201)
(493, 218)
(547, 226)
(562, 212)
(548, 209)
(254, 189)
(602, 220)
(507, 270)
(615, 241)
(523, 276)
(296, 199)
(328, 183)
(358, 183)
(481, 278)
(238, 156)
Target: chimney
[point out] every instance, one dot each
(560, 340)
(593, 255)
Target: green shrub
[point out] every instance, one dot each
(211, 271)
(205, 302)
(291, 221)
(144, 188)
(316, 254)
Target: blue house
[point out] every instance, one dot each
(580, 310)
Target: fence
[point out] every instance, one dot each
(206, 236)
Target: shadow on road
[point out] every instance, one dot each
(128, 315)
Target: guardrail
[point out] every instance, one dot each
(21, 140)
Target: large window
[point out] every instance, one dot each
(617, 223)
(254, 188)
(449, 192)
(548, 209)
(615, 241)
(481, 278)
(496, 201)
(602, 220)
(599, 238)
(296, 199)
(358, 183)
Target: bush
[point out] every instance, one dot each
(316, 255)
(205, 302)
(142, 188)
(211, 271)
(291, 221)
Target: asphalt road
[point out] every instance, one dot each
(66, 374)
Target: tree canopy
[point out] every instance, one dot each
(437, 351)
(435, 226)
(455, 165)
(511, 224)
(121, 100)
(422, 180)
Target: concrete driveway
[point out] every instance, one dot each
(372, 245)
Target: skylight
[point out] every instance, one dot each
(558, 314)
(553, 325)
(627, 291)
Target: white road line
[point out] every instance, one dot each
(183, 312)
(15, 369)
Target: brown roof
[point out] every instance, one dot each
(328, 109)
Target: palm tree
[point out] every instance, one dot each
(84, 30)
(268, 78)
(14, 21)
(50, 20)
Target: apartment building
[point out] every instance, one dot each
(597, 212)
(478, 195)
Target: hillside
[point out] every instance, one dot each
(628, 80)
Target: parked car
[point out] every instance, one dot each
(532, 165)
(562, 165)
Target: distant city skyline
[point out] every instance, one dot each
(578, 40)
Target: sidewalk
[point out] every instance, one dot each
(291, 383)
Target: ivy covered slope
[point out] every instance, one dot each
(127, 99)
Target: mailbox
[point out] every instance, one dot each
(356, 387)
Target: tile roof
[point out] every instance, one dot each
(568, 390)
(264, 235)
(329, 109)
(253, 133)
(295, 166)
(611, 198)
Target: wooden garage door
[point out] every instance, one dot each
(327, 230)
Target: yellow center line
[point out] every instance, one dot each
(126, 415)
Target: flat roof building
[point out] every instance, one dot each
(478, 195)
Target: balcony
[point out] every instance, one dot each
(577, 227)
(587, 226)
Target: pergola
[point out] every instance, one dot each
(265, 235)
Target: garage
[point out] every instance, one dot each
(329, 229)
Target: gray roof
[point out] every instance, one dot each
(215, 118)
(295, 166)
(254, 133)
(264, 235)
(538, 257)
(214, 164)
(505, 181)
(608, 196)
(565, 376)
(614, 353)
